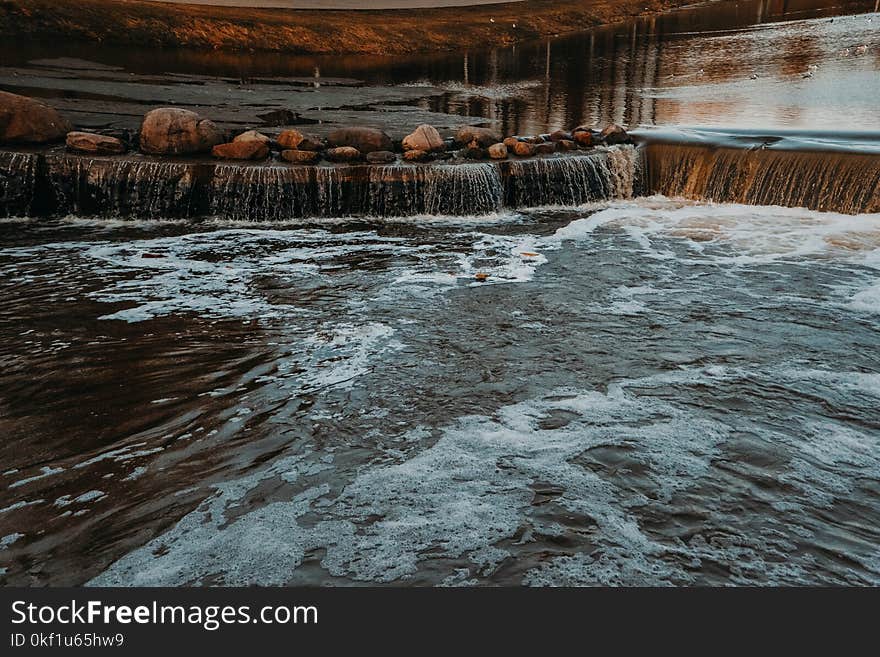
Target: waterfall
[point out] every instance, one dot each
(261, 193)
(121, 187)
(574, 179)
(841, 181)
(18, 176)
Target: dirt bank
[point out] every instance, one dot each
(136, 22)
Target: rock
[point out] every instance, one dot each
(365, 140)
(511, 142)
(536, 139)
(424, 138)
(524, 149)
(545, 148)
(174, 131)
(300, 157)
(560, 135)
(343, 154)
(416, 156)
(498, 151)
(279, 117)
(311, 144)
(252, 149)
(473, 152)
(252, 135)
(484, 137)
(89, 142)
(583, 137)
(566, 145)
(614, 134)
(290, 139)
(24, 120)
(381, 157)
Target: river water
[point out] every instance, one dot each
(640, 392)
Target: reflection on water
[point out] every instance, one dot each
(651, 392)
(751, 63)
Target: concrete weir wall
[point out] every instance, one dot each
(56, 183)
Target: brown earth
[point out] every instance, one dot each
(135, 22)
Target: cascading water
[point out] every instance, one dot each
(122, 187)
(573, 180)
(18, 175)
(834, 181)
(264, 193)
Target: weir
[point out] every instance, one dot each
(58, 184)
(813, 170)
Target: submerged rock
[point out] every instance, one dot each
(94, 144)
(484, 137)
(381, 157)
(473, 152)
(24, 120)
(424, 138)
(300, 157)
(614, 134)
(174, 131)
(343, 154)
(498, 151)
(252, 149)
(365, 140)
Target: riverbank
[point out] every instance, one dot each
(380, 32)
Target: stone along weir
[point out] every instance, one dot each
(59, 184)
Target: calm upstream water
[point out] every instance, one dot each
(639, 392)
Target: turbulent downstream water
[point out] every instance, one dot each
(641, 392)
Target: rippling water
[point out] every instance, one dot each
(647, 392)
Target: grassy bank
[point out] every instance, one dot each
(135, 22)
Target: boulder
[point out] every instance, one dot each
(252, 135)
(252, 149)
(24, 120)
(365, 140)
(424, 138)
(290, 139)
(343, 154)
(472, 152)
(381, 157)
(511, 142)
(311, 144)
(300, 157)
(535, 139)
(545, 148)
(583, 137)
(614, 134)
(93, 144)
(560, 135)
(484, 137)
(566, 145)
(278, 117)
(498, 151)
(174, 131)
(416, 156)
(524, 149)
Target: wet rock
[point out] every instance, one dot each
(473, 152)
(174, 131)
(310, 143)
(252, 149)
(290, 139)
(498, 151)
(24, 120)
(566, 145)
(524, 149)
(484, 137)
(252, 135)
(511, 142)
(535, 139)
(424, 138)
(300, 157)
(343, 154)
(560, 135)
(545, 149)
(365, 140)
(583, 137)
(279, 117)
(614, 134)
(89, 142)
(416, 156)
(381, 157)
